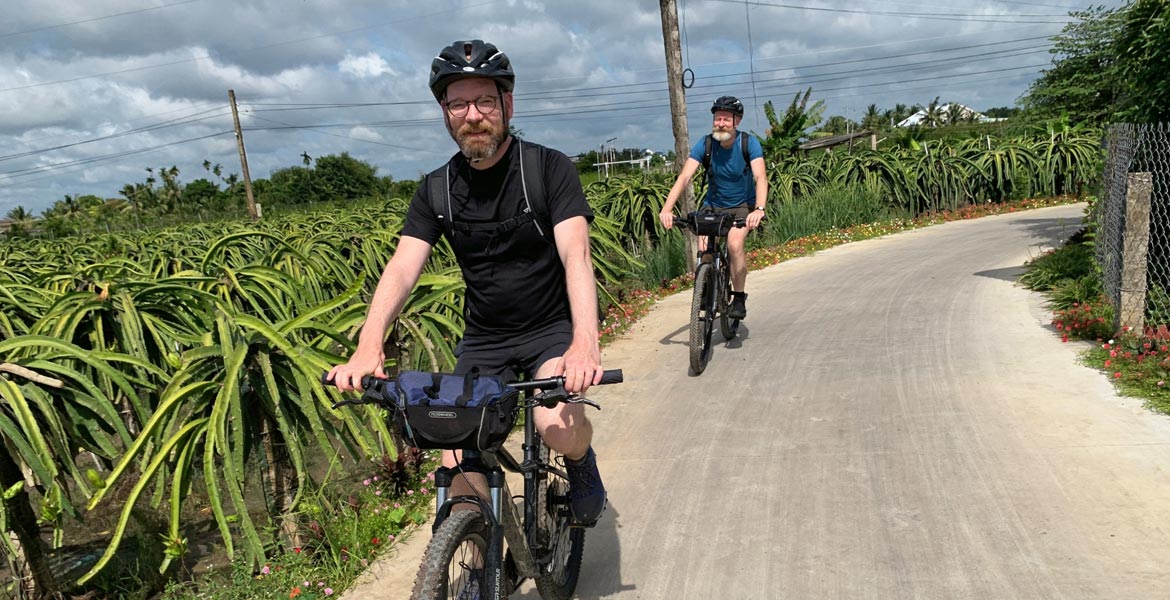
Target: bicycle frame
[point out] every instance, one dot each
(503, 518)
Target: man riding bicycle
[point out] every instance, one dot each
(517, 219)
(730, 165)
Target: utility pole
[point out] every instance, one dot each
(252, 212)
(678, 109)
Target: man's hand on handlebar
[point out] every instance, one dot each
(348, 377)
(667, 218)
(754, 218)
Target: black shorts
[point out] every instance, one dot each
(739, 211)
(519, 356)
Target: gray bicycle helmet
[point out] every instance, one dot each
(470, 58)
(730, 104)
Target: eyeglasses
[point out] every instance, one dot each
(486, 105)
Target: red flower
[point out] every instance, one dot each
(298, 551)
(375, 541)
(1117, 375)
(296, 591)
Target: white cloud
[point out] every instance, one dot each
(304, 72)
(367, 66)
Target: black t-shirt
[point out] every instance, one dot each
(515, 278)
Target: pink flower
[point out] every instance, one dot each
(1161, 383)
(409, 492)
(328, 591)
(366, 482)
(378, 493)
(265, 570)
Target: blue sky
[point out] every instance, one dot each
(92, 93)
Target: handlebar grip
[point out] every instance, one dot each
(367, 381)
(611, 376)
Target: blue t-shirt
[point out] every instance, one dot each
(730, 181)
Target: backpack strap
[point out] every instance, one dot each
(439, 190)
(532, 180)
(747, 158)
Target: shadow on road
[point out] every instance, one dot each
(601, 575)
(1005, 273)
(1053, 232)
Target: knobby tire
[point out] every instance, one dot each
(565, 544)
(702, 322)
(433, 579)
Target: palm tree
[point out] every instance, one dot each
(934, 114)
(956, 113)
(21, 220)
(873, 119)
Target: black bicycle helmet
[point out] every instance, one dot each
(470, 58)
(730, 104)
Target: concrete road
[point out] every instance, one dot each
(898, 420)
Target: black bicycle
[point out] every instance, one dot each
(485, 554)
(712, 293)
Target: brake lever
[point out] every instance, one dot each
(583, 400)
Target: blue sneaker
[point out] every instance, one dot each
(586, 493)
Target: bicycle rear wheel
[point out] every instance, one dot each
(559, 547)
(453, 564)
(727, 326)
(702, 319)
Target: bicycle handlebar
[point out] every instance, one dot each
(377, 385)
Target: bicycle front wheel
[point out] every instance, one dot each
(727, 326)
(702, 319)
(453, 565)
(559, 547)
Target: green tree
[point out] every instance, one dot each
(1143, 61)
(343, 177)
(874, 119)
(1084, 81)
(784, 135)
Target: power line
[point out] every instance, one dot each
(575, 92)
(91, 20)
(971, 18)
(10, 175)
(186, 120)
(318, 130)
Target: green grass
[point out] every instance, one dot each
(829, 207)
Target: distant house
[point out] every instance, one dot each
(917, 118)
(5, 225)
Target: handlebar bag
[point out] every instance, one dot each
(712, 223)
(454, 412)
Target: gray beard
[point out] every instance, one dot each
(475, 153)
(721, 136)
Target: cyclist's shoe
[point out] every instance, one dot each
(471, 588)
(586, 493)
(738, 308)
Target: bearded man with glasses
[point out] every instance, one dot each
(517, 219)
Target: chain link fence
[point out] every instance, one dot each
(1133, 226)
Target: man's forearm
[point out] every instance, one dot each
(388, 300)
(582, 290)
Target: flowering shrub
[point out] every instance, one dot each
(1087, 321)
